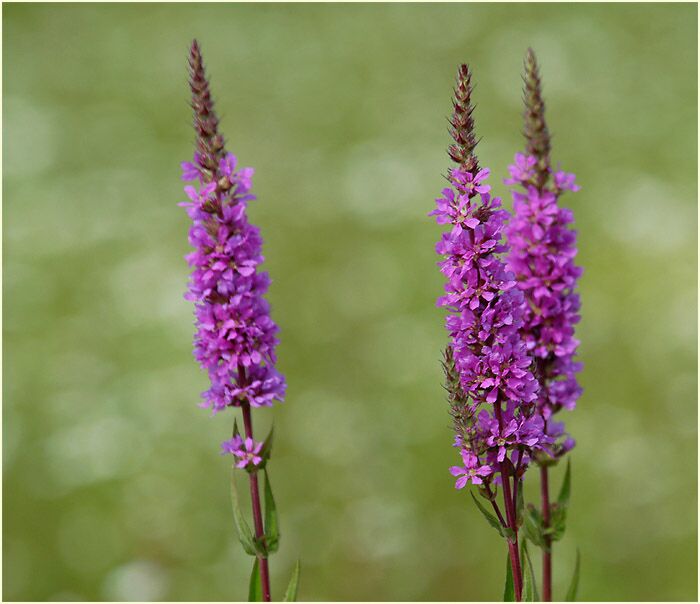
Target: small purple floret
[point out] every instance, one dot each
(247, 451)
(471, 471)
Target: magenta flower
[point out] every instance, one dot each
(247, 451)
(471, 471)
(522, 169)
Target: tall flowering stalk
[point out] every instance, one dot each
(489, 373)
(235, 337)
(543, 248)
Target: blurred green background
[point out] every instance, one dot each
(113, 484)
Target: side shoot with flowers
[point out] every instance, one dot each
(543, 250)
(489, 378)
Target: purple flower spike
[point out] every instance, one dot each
(488, 366)
(543, 249)
(235, 337)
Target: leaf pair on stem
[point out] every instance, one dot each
(534, 531)
(261, 548)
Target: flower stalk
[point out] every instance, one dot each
(542, 259)
(235, 336)
(491, 387)
(538, 145)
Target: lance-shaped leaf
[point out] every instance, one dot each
(532, 526)
(236, 431)
(272, 535)
(266, 448)
(557, 521)
(565, 491)
(529, 583)
(255, 589)
(493, 521)
(573, 587)
(293, 587)
(245, 535)
(509, 588)
(519, 506)
(558, 510)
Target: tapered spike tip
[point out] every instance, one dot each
(462, 123)
(209, 142)
(538, 141)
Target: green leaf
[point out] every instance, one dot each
(255, 588)
(272, 535)
(558, 510)
(245, 535)
(293, 588)
(529, 582)
(519, 506)
(236, 432)
(509, 589)
(565, 491)
(532, 526)
(493, 521)
(573, 587)
(557, 522)
(266, 448)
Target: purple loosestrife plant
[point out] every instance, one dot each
(489, 378)
(235, 337)
(543, 249)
